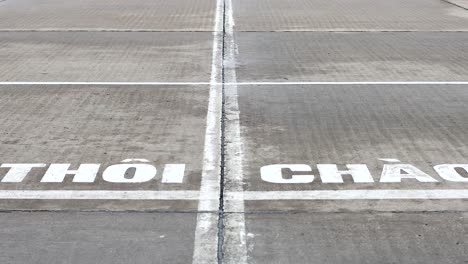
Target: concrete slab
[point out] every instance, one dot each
(105, 56)
(459, 3)
(110, 15)
(320, 56)
(102, 125)
(357, 238)
(349, 15)
(96, 237)
(421, 125)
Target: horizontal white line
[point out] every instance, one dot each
(355, 83)
(239, 83)
(98, 195)
(252, 195)
(107, 83)
(350, 195)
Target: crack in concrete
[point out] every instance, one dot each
(456, 4)
(221, 213)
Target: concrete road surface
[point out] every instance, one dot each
(246, 131)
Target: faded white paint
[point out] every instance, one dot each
(235, 242)
(249, 196)
(329, 173)
(109, 83)
(135, 160)
(173, 173)
(206, 234)
(58, 172)
(240, 83)
(117, 173)
(18, 171)
(353, 83)
(98, 195)
(397, 172)
(448, 172)
(350, 195)
(390, 160)
(274, 174)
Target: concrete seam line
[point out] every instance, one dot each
(220, 234)
(457, 4)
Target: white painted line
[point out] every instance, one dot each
(173, 173)
(241, 196)
(206, 231)
(235, 240)
(109, 83)
(217, 82)
(355, 83)
(98, 195)
(390, 160)
(350, 195)
(135, 160)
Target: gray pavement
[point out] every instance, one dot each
(103, 125)
(353, 124)
(357, 238)
(145, 126)
(308, 124)
(348, 15)
(96, 124)
(109, 15)
(96, 237)
(106, 56)
(358, 56)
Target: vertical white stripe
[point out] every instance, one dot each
(206, 233)
(235, 244)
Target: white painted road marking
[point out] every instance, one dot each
(109, 83)
(390, 160)
(391, 173)
(235, 244)
(58, 172)
(173, 173)
(206, 232)
(134, 160)
(436, 194)
(356, 83)
(18, 171)
(87, 173)
(448, 172)
(214, 82)
(397, 172)
(98, 195)
(350, 195)
(117, 173)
